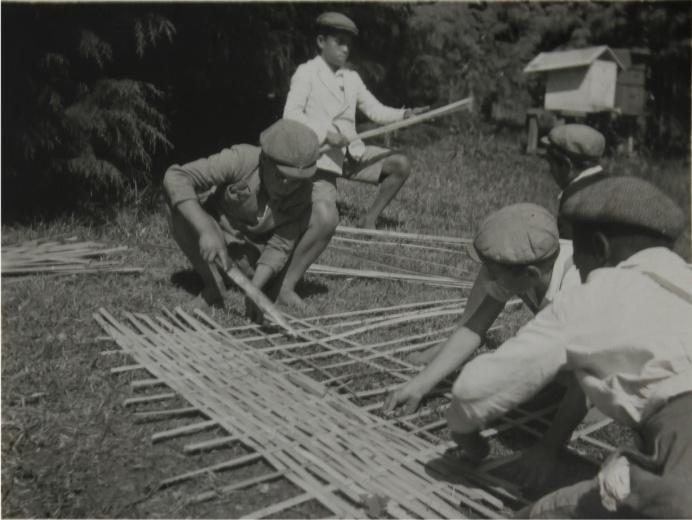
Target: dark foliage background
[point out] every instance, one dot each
(99, 99)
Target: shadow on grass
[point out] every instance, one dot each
(307, 288)
(350, 214)
(188, 280)
(191, 282)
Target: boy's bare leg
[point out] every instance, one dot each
(324, 218)
(395, 170)
(187, 239)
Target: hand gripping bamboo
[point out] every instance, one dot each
(259, 299)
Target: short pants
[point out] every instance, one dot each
(367, 169)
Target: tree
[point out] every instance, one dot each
(72, 117)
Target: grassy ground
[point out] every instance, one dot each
(69, 449)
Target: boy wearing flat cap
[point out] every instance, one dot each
(522, 256)
(246, 203)
(573, 152)
(324, 95)
(626, 335)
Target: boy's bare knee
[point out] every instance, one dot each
(325, 216)
(397, 165)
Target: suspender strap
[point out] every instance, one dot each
(669, 286)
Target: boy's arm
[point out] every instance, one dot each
(492, 384)
(372, 108)
(182, 185)
(481, 312)
(297, 101)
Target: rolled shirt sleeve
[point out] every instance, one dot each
(373, 109)
(492, 384)
(194, 178)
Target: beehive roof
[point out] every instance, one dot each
(547, 61)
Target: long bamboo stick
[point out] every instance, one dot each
(414, 120)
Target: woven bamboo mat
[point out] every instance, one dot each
(310, 410)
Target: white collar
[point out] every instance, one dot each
(587, 173)
(325, 66)
(653, 257)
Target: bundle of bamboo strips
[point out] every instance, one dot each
(337, 453)
(64, 256)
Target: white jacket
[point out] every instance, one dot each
(317, 100)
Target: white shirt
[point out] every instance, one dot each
(326, 101)
(627, 338)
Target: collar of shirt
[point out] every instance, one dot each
(582, 175)
(587, 173)
(653, 258)
(326, 68)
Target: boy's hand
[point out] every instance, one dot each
(212, 247)
(410, 112)
(336, 139)
(408, 396)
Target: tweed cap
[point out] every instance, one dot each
(293, 147)
(338, 22)
(628, 201)
(577, 141)
(519, 234)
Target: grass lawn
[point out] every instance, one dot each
(70, 449)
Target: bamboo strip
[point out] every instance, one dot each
(209, 444)
(220, 466)
(227, 490)
(403, 235)
(132, 401)
(396, 244)
(188, 429)
(145, 383)
(356, 254)
(165, 414)
(440, 281)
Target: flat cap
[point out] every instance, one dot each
(628, 201)
(577, 141)
(519, 234)
(338, 22)
(293, 147)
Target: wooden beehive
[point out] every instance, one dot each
(579, 80)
